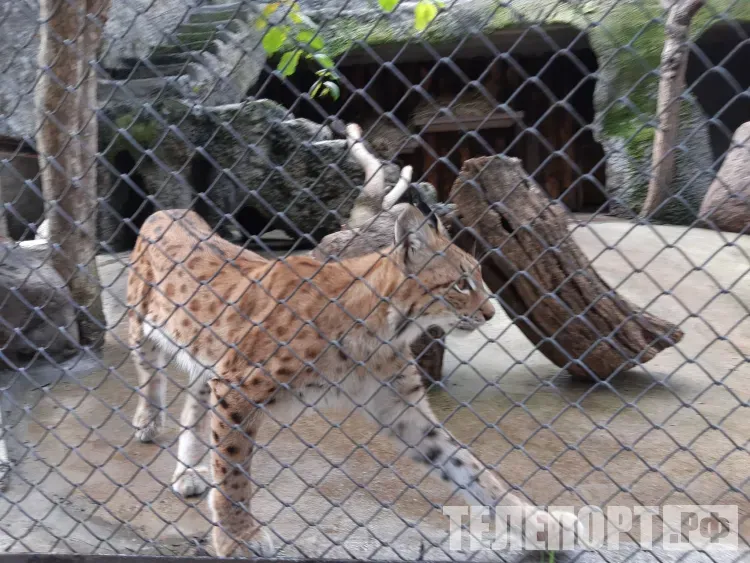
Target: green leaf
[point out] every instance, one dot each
(295, 17)
(262, 22)
(270, 9)
(333, 89)
(273, 40)
(388, 5)
(288, 63)
(324, 60)
(308, 37)
(424, 12)
(315, 88)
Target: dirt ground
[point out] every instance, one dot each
(674, 431)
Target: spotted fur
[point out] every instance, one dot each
(260, 334)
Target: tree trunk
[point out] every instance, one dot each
(67, 142)
(542, 278)
(674, 59)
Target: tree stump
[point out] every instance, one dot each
(542, 278)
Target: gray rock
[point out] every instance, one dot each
(223, 68)
(629, 165)
(727, 203)
(36, 310)
(225, 75)
(254, 161)
(19, 43)
(134, 27)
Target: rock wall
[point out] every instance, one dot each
(226, 75)
(253, 160)
(19, 43)
(134, 27)
(36, 309)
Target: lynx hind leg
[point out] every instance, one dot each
(192, 474)
(411, 421)
(235, 422)
(149, 416)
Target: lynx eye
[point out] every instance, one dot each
(465, 286)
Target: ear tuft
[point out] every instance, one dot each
(413, 232)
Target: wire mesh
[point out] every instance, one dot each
(353, 263)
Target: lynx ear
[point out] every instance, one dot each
(413, 232)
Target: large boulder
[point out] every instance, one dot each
(219, 39)
(254, 162)
(19, 32)
(727, 203)
(36, 309)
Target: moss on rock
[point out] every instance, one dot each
(145, 132)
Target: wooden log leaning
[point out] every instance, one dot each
(542, 278)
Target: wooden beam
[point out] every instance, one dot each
(451, 124)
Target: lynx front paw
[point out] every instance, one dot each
(191, 482)
(354, 131)
(256, 544)
(148, 423)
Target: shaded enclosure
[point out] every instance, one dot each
(719, 75)
(444, 96)
(26, 202)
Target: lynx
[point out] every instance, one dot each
(256, 334)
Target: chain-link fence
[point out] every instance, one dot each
(407, 257)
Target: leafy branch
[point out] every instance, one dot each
(308, 42)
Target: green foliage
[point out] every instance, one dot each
(424, 12)
(307, 42)
(310, 38)
(310, 44)
(388, 5)
(274, 39)
(289, 61)
(331, 88)
(324, 60)
(326, 84)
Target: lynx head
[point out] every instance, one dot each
(444, 284)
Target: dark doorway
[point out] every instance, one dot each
(539, 85)
(719, 75)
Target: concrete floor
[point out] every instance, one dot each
(83, 485)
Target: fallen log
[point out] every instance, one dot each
(542, 278)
